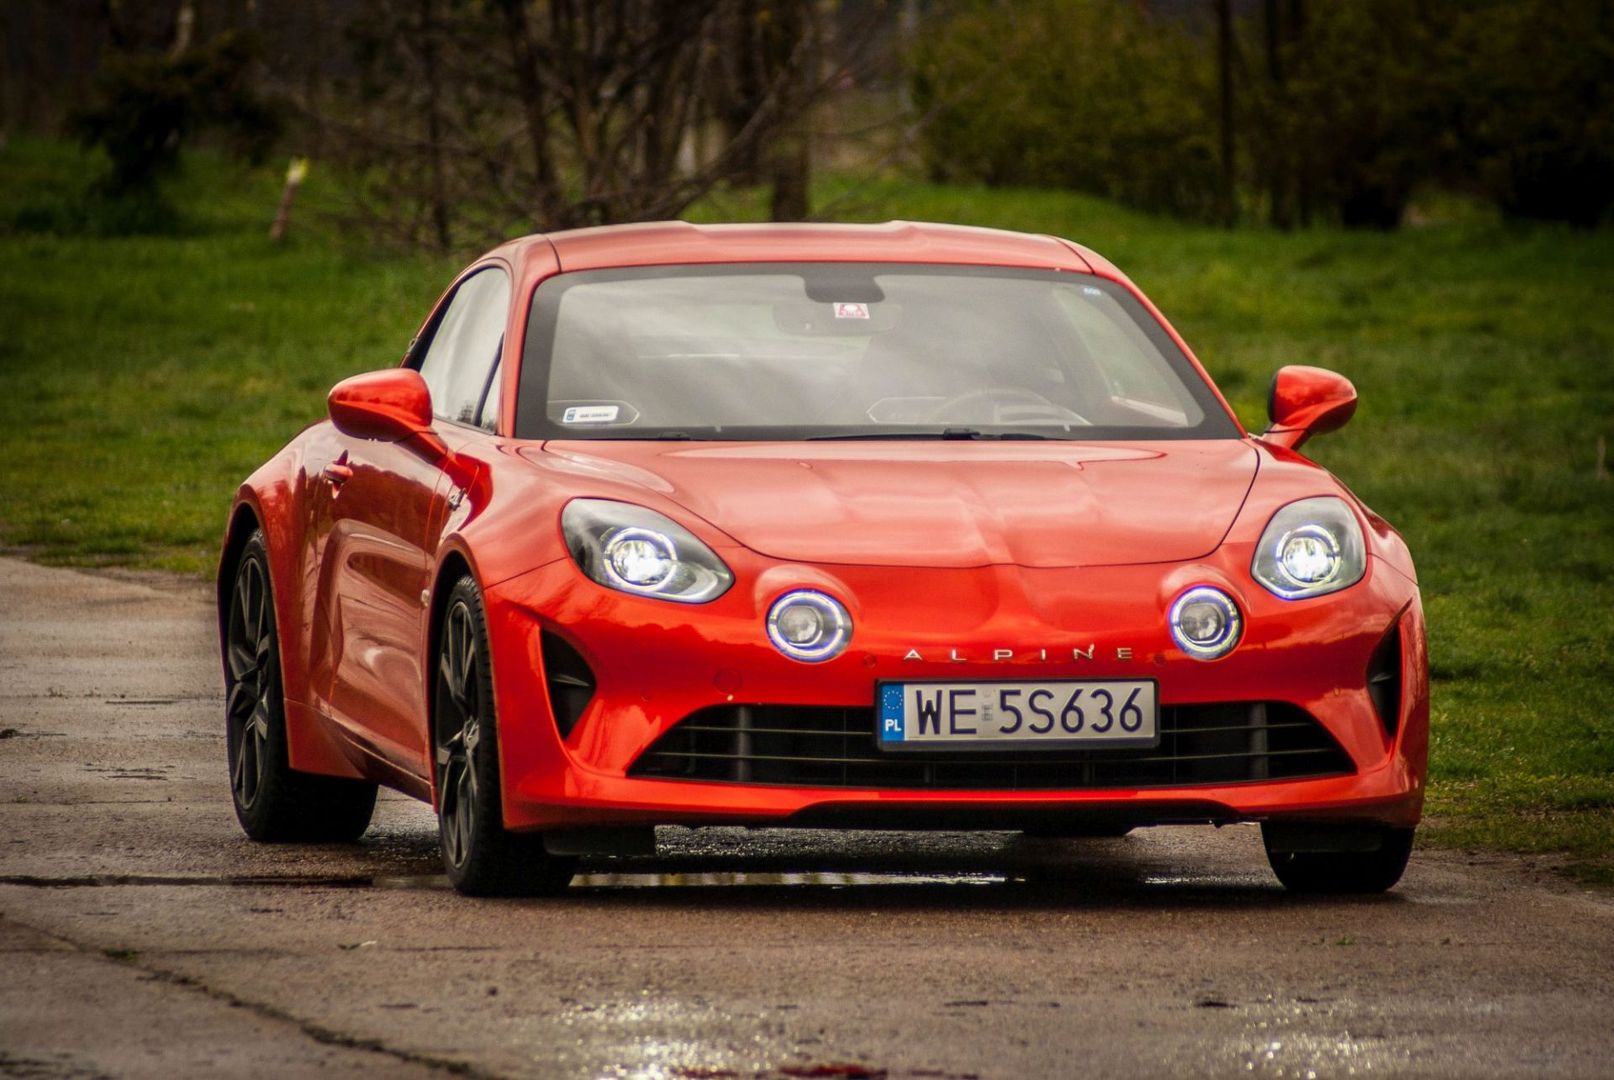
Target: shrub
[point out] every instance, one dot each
(1539, 109)
(1097, 97)
(147, 105)
(1365, 111)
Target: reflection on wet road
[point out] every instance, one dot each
(814, 859)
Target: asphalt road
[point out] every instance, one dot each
(141, 934)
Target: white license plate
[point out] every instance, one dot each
(1095, 713)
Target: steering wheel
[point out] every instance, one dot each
(1027, 404)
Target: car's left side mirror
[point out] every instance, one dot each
(387, 405)
(1307, 401)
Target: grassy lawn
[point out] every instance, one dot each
(142, 377)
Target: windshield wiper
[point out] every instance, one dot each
(952, 433)
(944, 433)
(874, 435)
(645, 436)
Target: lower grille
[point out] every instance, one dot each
(1384, 681)
(570, 681)
(805, 746)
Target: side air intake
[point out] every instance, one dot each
(570, 680)
(1384, 680)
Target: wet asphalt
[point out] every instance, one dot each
(142, 935)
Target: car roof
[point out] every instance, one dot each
(670, 242)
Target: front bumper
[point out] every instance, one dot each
(656, 664)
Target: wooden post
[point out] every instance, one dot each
(294, 180)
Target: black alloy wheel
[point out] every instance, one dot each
(272, 801)
(250, 644)
(1343, 872)
(481, 856)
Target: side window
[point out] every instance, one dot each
(464, 349)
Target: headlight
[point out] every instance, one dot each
(1310, 548)
(810, 626)
(636, 550)
(1205, 623)
(639, 558)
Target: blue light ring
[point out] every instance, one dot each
(1234, 628)
(840, 620)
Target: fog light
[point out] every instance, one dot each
(1206, 623)
(809, 626)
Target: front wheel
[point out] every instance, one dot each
(481, 856)
(273, 801)
(1354, 861)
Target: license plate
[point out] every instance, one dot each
(1098, 713)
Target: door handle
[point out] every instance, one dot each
(338, 474)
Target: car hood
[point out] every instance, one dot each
(943, 504)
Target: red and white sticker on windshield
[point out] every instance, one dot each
(846, 310)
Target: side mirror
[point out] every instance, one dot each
(1307, 401)
(387, 405)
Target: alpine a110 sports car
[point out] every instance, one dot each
(893, 526)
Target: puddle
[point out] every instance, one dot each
(814, 879)
(410, 881)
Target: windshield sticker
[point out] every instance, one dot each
(845, 310)
(590, 414)
(1090, 291)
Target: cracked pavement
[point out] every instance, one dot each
(142, 934)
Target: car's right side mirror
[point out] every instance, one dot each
(1307, 401)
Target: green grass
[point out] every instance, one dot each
(145, 377)
(141, 378)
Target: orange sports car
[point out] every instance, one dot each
(904, 526)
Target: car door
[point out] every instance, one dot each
(385, 511)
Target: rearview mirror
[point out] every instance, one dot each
(387, 405)
(1307, 401)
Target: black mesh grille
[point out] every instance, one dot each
(832, 747)
(570, 681)
(1384, 680)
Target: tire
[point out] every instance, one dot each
(1342, 872)
(481, 857)
(273, 802)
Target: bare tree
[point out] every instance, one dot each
(473, 120)
(1224, 66)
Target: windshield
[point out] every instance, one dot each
(853, 350)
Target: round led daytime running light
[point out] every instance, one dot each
(1205, 623)
(809, 626)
